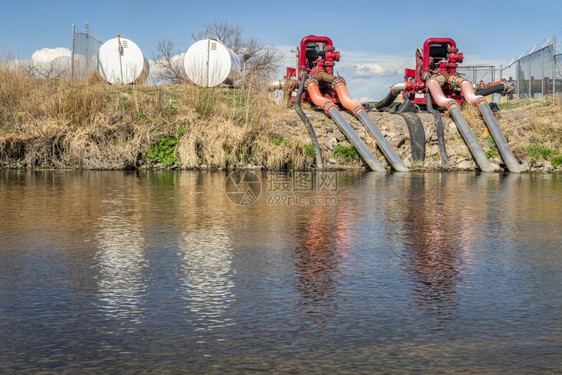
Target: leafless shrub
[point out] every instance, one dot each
(168, 64)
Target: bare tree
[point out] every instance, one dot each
(169, 67)
(28, 68)
(50, 69)
(259, 60)
(46, 69)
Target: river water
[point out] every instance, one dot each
(340, 272)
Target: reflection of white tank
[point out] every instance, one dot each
(208, 275)
(122, 61)
(209, 63)
(121, 260)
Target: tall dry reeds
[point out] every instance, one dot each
(52, 123)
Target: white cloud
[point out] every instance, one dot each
(156, 70)
(50, 62)
(47, 55)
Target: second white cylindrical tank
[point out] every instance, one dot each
(209, 63)
(122, 61)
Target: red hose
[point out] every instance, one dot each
(343, 95)
(437, 94)
(468, 94)
(326, 104)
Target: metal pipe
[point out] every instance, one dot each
(343, 95)
(311, 132)
(331, 110)
(501, 87)
(507, 156)
(360, 112)
(467, 92)
(392, 157)
(398, 88)
(470, 139)
(440, 131)
(276, 85)
(354, 138)
(434, 86)
(311, 85)
(72, 75)
(391, 96)
(325, 77)
(484, 108)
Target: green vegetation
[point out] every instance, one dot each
(520, 103)
(493, 151)
(164, 152)
(309, 150)
(537, 152)
(170, 110)
(347, 153)
(515, 104)
(125, 104)
(141, 117)
(281, 140)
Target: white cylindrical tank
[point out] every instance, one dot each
(209, 63)
(122, 61)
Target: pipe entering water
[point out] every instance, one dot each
(484, 108)
(434, 86)
(331, 110)
(470, 140)
(507, 156)
(359, 111)
(311, 132)
(440, 131)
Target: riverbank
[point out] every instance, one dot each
(51, 124)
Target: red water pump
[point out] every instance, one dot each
(315, 54)
(313, 81)
(440, 56)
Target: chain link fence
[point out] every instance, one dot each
(537, 74)
(479, 73)
(84, 59)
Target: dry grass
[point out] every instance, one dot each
(545, 120)
(525, 123)
(51, 123)
(474, 119)
(532, 123)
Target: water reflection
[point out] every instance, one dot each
(432, 250)
(121, 261)
(323, 241)
(205, 249)
(207, 275)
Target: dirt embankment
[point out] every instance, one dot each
(53, 124)
(533, 129)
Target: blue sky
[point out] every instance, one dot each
(367, 31)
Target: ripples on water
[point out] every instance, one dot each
(134, 272)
